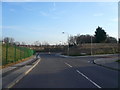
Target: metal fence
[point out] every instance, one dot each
(14, 53)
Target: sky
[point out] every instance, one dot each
(45, 21)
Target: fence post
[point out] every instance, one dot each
(32, 52)
(27, 52)
(15, 53)
(6, 53)
(20, 53)
(22, 56)
(23, 52)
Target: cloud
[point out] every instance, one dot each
(0, 27)
(55, 17)
(12, 10)
(53, 8)
(13, 28)
(114, 19)
(19, 0)
(54, 4)
(8, 27)
(60, 0)
(28, 8)
(44, 13)
(98, 14)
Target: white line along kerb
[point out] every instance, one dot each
(21, 76)
(68, 64)
(88, 79)
(32, 67)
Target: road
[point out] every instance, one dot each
(54, 71)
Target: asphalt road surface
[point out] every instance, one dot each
(54, 71)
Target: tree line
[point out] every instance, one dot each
(100, 37)
(11, 41)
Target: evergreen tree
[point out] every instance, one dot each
(100, 35)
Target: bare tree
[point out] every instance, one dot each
(72, 40)
(8, 40)
(23, 43)
(111, 40)
(37, 43)
(45, 43)
(17, 43)
(11, 40)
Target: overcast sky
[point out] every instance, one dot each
(37, 21)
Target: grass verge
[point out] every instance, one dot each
(10, 64)
(118, 61)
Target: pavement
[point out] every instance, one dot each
(108, 63)
(52, 72)
(12, 74)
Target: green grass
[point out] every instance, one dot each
(21, 53)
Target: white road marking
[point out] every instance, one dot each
(89, 79)
(32, 67)
(68, 64)
(88, 61)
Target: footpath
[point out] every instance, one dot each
(13, 74)
(108, 63)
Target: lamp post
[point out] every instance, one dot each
(68, 40)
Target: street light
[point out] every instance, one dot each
(68, 39)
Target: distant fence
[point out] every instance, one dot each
(14, 53)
